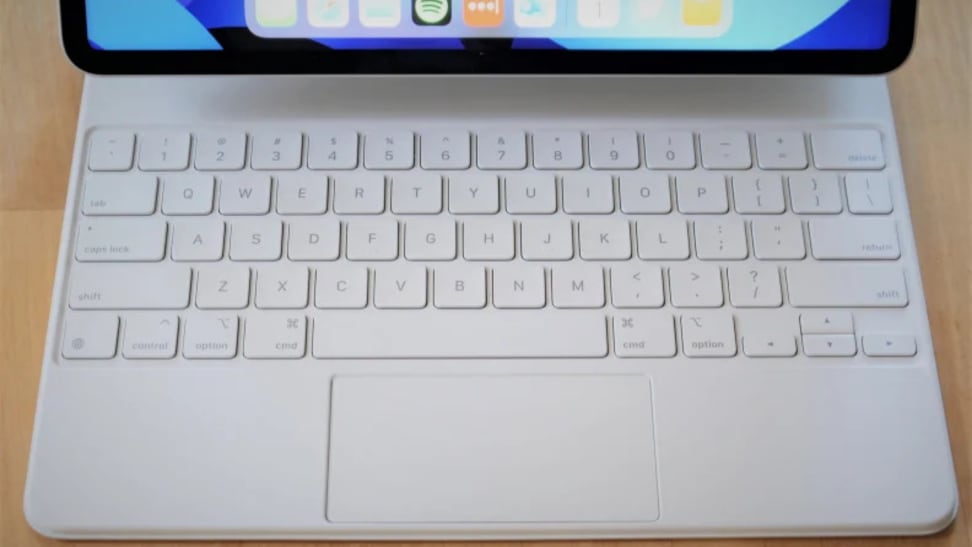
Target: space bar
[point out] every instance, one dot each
(458, 334)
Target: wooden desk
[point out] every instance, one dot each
(39, 94)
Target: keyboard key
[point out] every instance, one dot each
(695, 286)
(755, 286)
(317, 239)
(151, 336)
(708, 335)
(613, 150)
(854, 239)
(198, 240)
(332, 150)
(637, 286)
(372, 240)
(726, 150)
(519, 286)
(430, 240)
(848, 149)
(641, 334)
(277, 150)
(459, 334)
(488, 240)
(605, 239)
(781, 150)
(778, 238)
(446, 149)
(259, 240)
(663, 239)
(116, 194)
(342, 286)
(820, 345)
(720, 239)
(187, 194)
(577, 286)
(670, 150)
(416, 194)
(223, 287)
(245, 194)
(758, 194)
(558, 150)
(129, 286)
(868, 194)
(90, 336)
(220, 151)
(389, 150)
(546, 239)
(702, 193)
(282, 287)
(815, 194)
(475, 194)
(401, 286)
(301, 193)
(645, 194)
(504, 150)
(588, 193)
(531, 194)
(460, 286)
(827, 322)
(275, 336)
(885, 345)
(210, 337)
(164, 151)
(121, 240)
(760, 345)
(359, 194)
(846, 286)
(111, 150)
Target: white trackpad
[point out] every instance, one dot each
(492, 449)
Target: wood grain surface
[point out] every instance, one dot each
(39, 93)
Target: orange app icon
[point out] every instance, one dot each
(702, 13)
(482, 13)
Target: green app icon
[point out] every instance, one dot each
(432, 12)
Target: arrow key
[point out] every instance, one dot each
(820, 345)
(827, 322)
(151, 336)
(880, 345)
(769, 346)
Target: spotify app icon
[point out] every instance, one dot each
(432, 12)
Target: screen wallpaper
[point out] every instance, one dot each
(281, 25)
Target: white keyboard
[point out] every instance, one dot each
(223, 244)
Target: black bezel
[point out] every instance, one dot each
(74, 29)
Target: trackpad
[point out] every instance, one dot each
(492, 449)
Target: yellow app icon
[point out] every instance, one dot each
(702, 13)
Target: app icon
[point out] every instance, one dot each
(535, 13)
(380, 13)
(702, 13)
(598, 13)
(276, 13)
(648, 10)
(432, 12)
(482, 13)
(328, 13)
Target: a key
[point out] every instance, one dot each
(815, 194)
(488, 239)
(91, 335)
(164, 151)
(670, 150)
(372, 240)
(220, 151)
(778, 238)
(473, 194)
(519, 286)
(846, 286)
(430, 240)
(827, 322)
(318, 239)
(277, 150)
(210, 337)
(720, 239)
(187, 194)
(504, 150)
(755, 286)
(129, 286)
(708, 335)
(663, 239)
(275, 336)
(841, 149)
(854, 239)
(258, 239)
(359, 194)
(121, 240)
(829, 345)
(637, 286)
(645, 194)
(641, 334)
(110, 150)
(341, 286)
(223, 287)
(244, 194)
(400, 286)
(151, 336)
(605, 239)
(394, 150)
(868, 194)
(198, 240)
(445, 149)
(458, 286)
(119, 194)
(781, 150)
(546, 239)
(760, 194)
(301, 193)
(416, 194)
(889, 345)
(725, 150)
(558, 150)
(695, 286)
(282, 287)
(702, 193)
(588, 193)
(577, 286)
(534, 193)
(332, 150)
(613, 150)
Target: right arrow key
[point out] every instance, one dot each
(885, 345)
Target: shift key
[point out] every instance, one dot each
(846, 286)
(129, 287)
